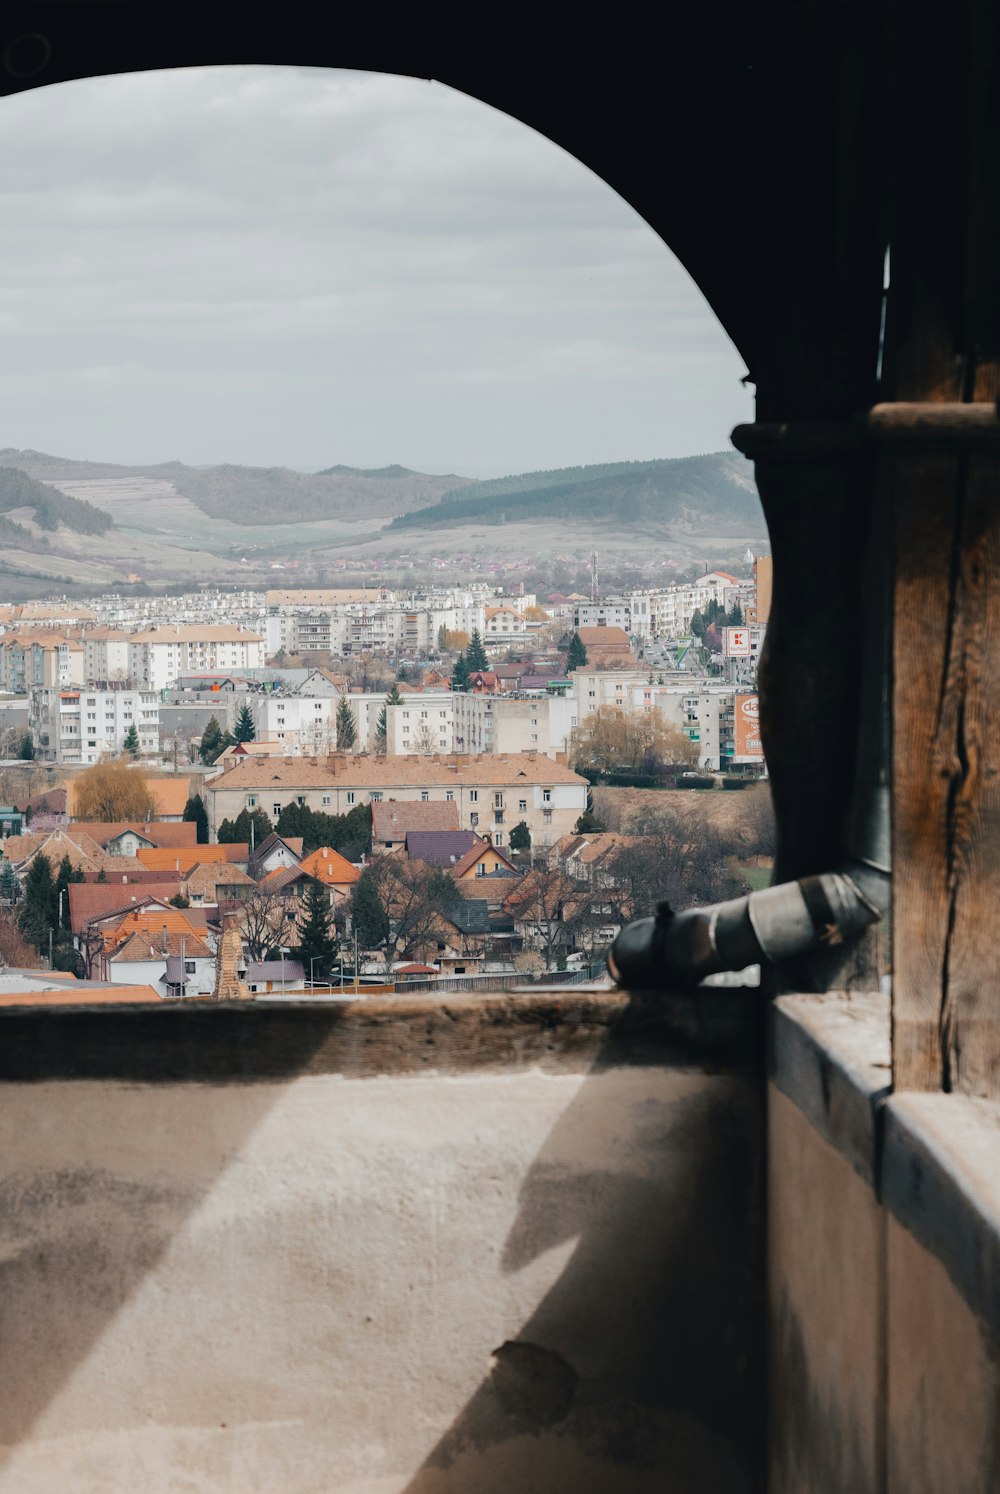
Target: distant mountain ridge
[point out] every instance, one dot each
(717, 488)
(261, 495)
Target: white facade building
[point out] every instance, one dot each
(421, 723)
(80, 725)
(159, 654)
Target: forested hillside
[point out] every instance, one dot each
(51, 508)
(717, 489)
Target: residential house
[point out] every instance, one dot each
(440, 847)
(144, 956)
(274, 977)
(275, 851)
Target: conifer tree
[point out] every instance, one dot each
(317, 946)
(37, 917)
(347, 731)
(131, 742)
(368, 915)
(10, 886)
(475, 654)
(576, 656)
(212, 741)
(67, 876)
(195, 810)
(460, 674)
(245, 730)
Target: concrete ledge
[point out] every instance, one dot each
(941, 1181)
(243, 1042)
(830, 1055)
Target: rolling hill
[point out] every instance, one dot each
(713, 490)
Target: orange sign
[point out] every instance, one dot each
(748, 743)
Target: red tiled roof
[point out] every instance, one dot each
(90, 900)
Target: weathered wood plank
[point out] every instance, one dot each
(970, 1019)
(946, 842)
(926, 766)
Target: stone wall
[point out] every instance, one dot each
(507, 1244)
(884, 1267)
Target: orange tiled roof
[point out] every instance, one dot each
(185, 858)
(329, 867)
(149, 921)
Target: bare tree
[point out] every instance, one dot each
(546, 902)
(267, 920)
(417, 898)
(612, 740)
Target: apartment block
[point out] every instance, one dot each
(159, 654)
(82, 726)
(493, 792)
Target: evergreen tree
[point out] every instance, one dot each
(520, 837)
(736, 616)
(245, 731)
(402, 674)
(26, 751)
(576, 656)
(294, 819)
(382, 725)
(347, 731)
(68, 874)
(588, 823)
(368, 915)
(37, 918)
(475, 654)
(131, 742)
(697, 624)
(10, 886)
(195, 810)
(317, 946)
(212, 741)
(227, 833)
(102, 876)
(460, 674)
(250, 827)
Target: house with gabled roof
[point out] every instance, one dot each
(275, 851)
(483, 860)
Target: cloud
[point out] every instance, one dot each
(290, 265)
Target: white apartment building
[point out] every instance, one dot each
(702, 711)
(503, 625)
(667, 613)
(159, 654)
(613, 612)
(529, 722)
(423, 723)
(105, 656)
(83, 725)
(299, 723)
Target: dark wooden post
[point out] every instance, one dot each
(942, 458)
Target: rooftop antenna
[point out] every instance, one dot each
(594, 587)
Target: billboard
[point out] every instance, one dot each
(748, 743)
(738, 643)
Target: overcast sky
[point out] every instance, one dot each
(286, 266)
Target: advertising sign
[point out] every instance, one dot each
(738, 643)
(748, 743)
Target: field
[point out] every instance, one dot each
(736, 816)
